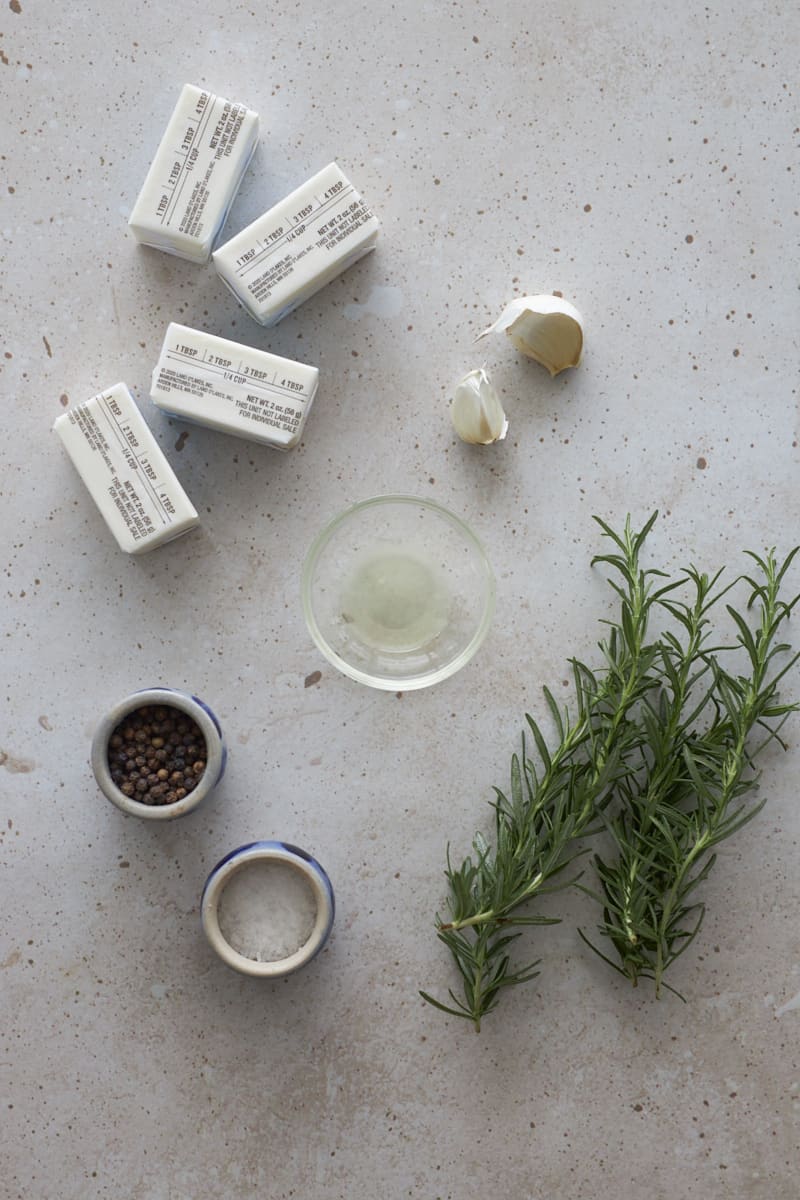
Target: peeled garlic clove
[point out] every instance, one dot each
(476, 411)
(545, 328)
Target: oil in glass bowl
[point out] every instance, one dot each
(398, 593)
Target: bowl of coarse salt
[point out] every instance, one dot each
(267, 909)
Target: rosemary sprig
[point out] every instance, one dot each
(697, 786)
(554, 798)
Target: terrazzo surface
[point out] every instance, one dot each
(643, 163)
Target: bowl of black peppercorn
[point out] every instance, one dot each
(158, 753)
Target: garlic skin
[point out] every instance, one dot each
(545, 328)
(476, 411)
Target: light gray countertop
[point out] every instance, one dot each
(642, 162)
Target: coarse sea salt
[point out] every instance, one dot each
(267, 911)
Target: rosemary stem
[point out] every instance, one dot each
(492, 914)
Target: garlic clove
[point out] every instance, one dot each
(476, 411)
(545, 328)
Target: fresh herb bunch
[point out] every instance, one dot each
(696, 785)
(632, 746)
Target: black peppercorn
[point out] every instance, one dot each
(148, 753)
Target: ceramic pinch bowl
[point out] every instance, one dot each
(176, 702)
(267, 909)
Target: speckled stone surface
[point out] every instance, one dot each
(641, 161)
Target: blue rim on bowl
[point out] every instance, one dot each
(268, 851)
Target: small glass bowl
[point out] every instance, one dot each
(262, 855)
(160, 697)
(398, 593)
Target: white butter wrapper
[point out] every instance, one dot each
(297, 247)
(233, 388)
(125, 471)
(195, 174)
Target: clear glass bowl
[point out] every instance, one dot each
(398, 593)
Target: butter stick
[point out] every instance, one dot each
(297, 247)
(195, 174)
(125, 471)
(233, 388)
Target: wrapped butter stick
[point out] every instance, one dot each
(297, 247)
(195, 174)
(125, 471)
(233, 388)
